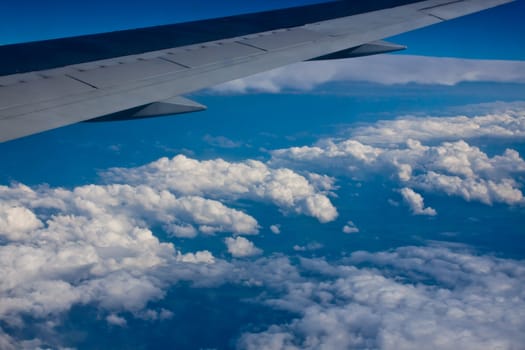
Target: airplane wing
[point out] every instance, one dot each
(141, 73)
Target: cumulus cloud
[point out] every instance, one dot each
(116, 320)
(507, 121)
(454, 167)
(240, 247)
(251, 179)
(80, 260)
(276, 229)
(453, 299)
(382, 69)
(416, 203)
(15, 221)
(93, 245)
(197, 258)
(350, 227)
(182, 216)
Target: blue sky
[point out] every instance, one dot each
(374, 202)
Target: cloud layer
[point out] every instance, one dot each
(94, 244)
(506, 121)
(396, 149)
(382, 69)
(409, 298)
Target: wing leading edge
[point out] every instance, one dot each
(139, 73)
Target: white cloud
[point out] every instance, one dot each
(453, 299)
(92, 248)
(116, 320)
(276, 229)
(454, 167)
(350, 227)
(416, 203)
(506, 123)
(204, 256)
(138, 203)
(181, 231)
(308, 248)
(382, 69)
(224, 180)
(16, 222)
(92, 245)
(241, 247)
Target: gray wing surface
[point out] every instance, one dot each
(38, 94)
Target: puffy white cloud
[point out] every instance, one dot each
(16, 222)
(116, 320)
(220, 179)
(454, 167)
(276, 229)
(79, 261)
(507, 122)
(382, 69)
(453, 299)
(485, 191)
(93, 248)
(350, 227)
(241, 247)
(179, 215)
(416, 203)
(197, 258)
(92, 245)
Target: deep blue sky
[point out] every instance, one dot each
(497, 33)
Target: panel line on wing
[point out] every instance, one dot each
(436, 16)
(211, 54)
(440, 5)
(164, 58)
(81, 81)
(250, 45)
(117, 73)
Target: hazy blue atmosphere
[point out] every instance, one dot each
(370, 203)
